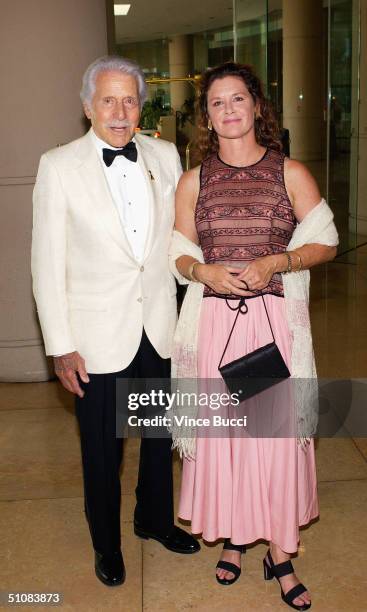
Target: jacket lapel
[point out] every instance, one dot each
(96, 185)
(151, 171)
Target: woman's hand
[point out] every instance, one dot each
(259, 272)
(222, 279)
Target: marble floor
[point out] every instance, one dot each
(44, 541)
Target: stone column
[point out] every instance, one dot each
(179, 66)
(45, 47)
(200, 51)
(303, 77)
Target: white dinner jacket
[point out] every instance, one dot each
(91, 293)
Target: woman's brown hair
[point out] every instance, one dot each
(266, 125)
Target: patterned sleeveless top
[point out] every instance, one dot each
(244, 213)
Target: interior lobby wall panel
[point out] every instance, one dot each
(45, 48)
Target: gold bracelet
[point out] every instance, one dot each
(300, 265)
(289, 267)
(190, 271)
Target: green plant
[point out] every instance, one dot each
(187, 113)
(151, 112)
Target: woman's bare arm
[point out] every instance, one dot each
(304, 195)
(216, 276)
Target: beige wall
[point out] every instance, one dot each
(45, 46)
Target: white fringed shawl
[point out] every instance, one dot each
(316, 228)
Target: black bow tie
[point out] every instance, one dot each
(129, 152)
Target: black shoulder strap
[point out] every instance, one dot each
(241, 304)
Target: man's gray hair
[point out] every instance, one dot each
(112, 62)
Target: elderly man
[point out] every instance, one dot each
(103, 217)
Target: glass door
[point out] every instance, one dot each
(343, 118)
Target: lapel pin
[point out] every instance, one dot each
(151, 176)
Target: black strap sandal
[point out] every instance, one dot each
(278, 571)
(230, 567)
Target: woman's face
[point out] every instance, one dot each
(231, 107)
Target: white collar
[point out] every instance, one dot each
(101, 144)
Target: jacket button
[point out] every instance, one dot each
(140, 299)
(141, 268)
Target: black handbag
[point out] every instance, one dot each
(256, 371)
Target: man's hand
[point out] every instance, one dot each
(66, 367)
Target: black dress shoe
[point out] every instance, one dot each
(110, 569)
(177, 539)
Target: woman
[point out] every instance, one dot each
(236, 215)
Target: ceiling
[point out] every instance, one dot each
(154, 19)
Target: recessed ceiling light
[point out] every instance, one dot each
(121, 9)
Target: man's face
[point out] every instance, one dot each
(115, 110)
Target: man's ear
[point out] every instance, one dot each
(87, 110)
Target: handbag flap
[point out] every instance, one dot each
(264, 362)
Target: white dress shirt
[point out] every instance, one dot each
(129, 192)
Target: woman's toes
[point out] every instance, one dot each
(223, 575)
(303, 599)
(298, 601)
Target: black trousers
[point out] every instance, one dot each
(102, 456)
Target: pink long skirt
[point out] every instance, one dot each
(247, 488)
